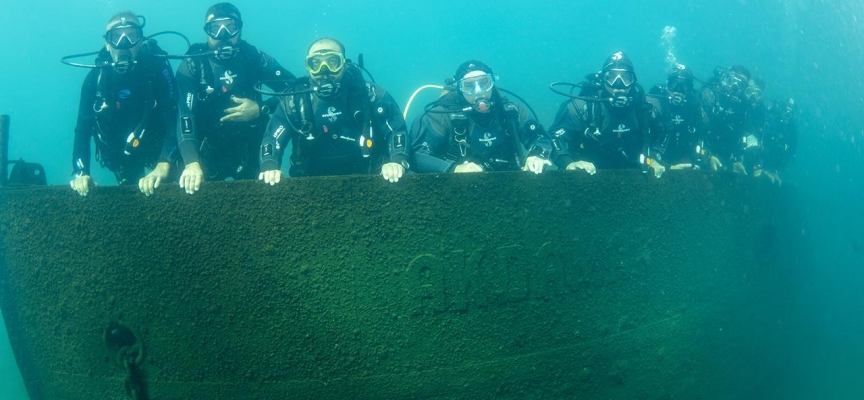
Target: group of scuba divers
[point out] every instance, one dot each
(212, 118)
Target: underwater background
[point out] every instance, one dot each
(807, 49)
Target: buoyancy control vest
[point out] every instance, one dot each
(124, 107)
(684, 127)
(219, 80)
(490, 140)
(609, 127)
(337, 130)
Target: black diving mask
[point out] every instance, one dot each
(124, 36)
(680, 85)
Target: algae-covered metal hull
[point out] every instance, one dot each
(500, 285)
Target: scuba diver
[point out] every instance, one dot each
(222, 116)
(780, 139)
(611, 124)
(337, 123)
(128, 106)
(758, 107)
(725, 103)
(473, 127)
(681, 146)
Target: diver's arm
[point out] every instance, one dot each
(402, 145)
(276, 77)
(187, 89)
(700, 123)
(170, 152)
(532, 136)
(391, 130)
(165, 88)
(656, 131)
(658, 135)
(658, 142)
(277, 135)
(271, 71)
(708, 102)
(422, 139)
(165, 91)
(392, 126)
(561, 133)
(85, 125)
(428, 163)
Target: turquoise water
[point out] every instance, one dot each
(811, 50)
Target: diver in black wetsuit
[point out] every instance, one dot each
(474, 128)
(780, 139)
(128, 107)
(222, 117)
(611, 125)
(724, 101)
(337, 123)
(681, 144)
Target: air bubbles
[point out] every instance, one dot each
(669, 32)
(667, 41)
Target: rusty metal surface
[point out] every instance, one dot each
(499, 285)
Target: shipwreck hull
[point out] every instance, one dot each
(499, 285)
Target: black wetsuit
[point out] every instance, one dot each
(206, 86)
(607, 136)
(446, 136)
(330, 134)
(128, 115)
(727, 123)
(683, 141)
(780, 139)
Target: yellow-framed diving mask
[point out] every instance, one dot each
(333, 60)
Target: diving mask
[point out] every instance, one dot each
(475, 85)
(619, 78)
(223, 28)
(124, 36)
(333, 60)
(680, 84)
(753, 93)
(734, 82)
